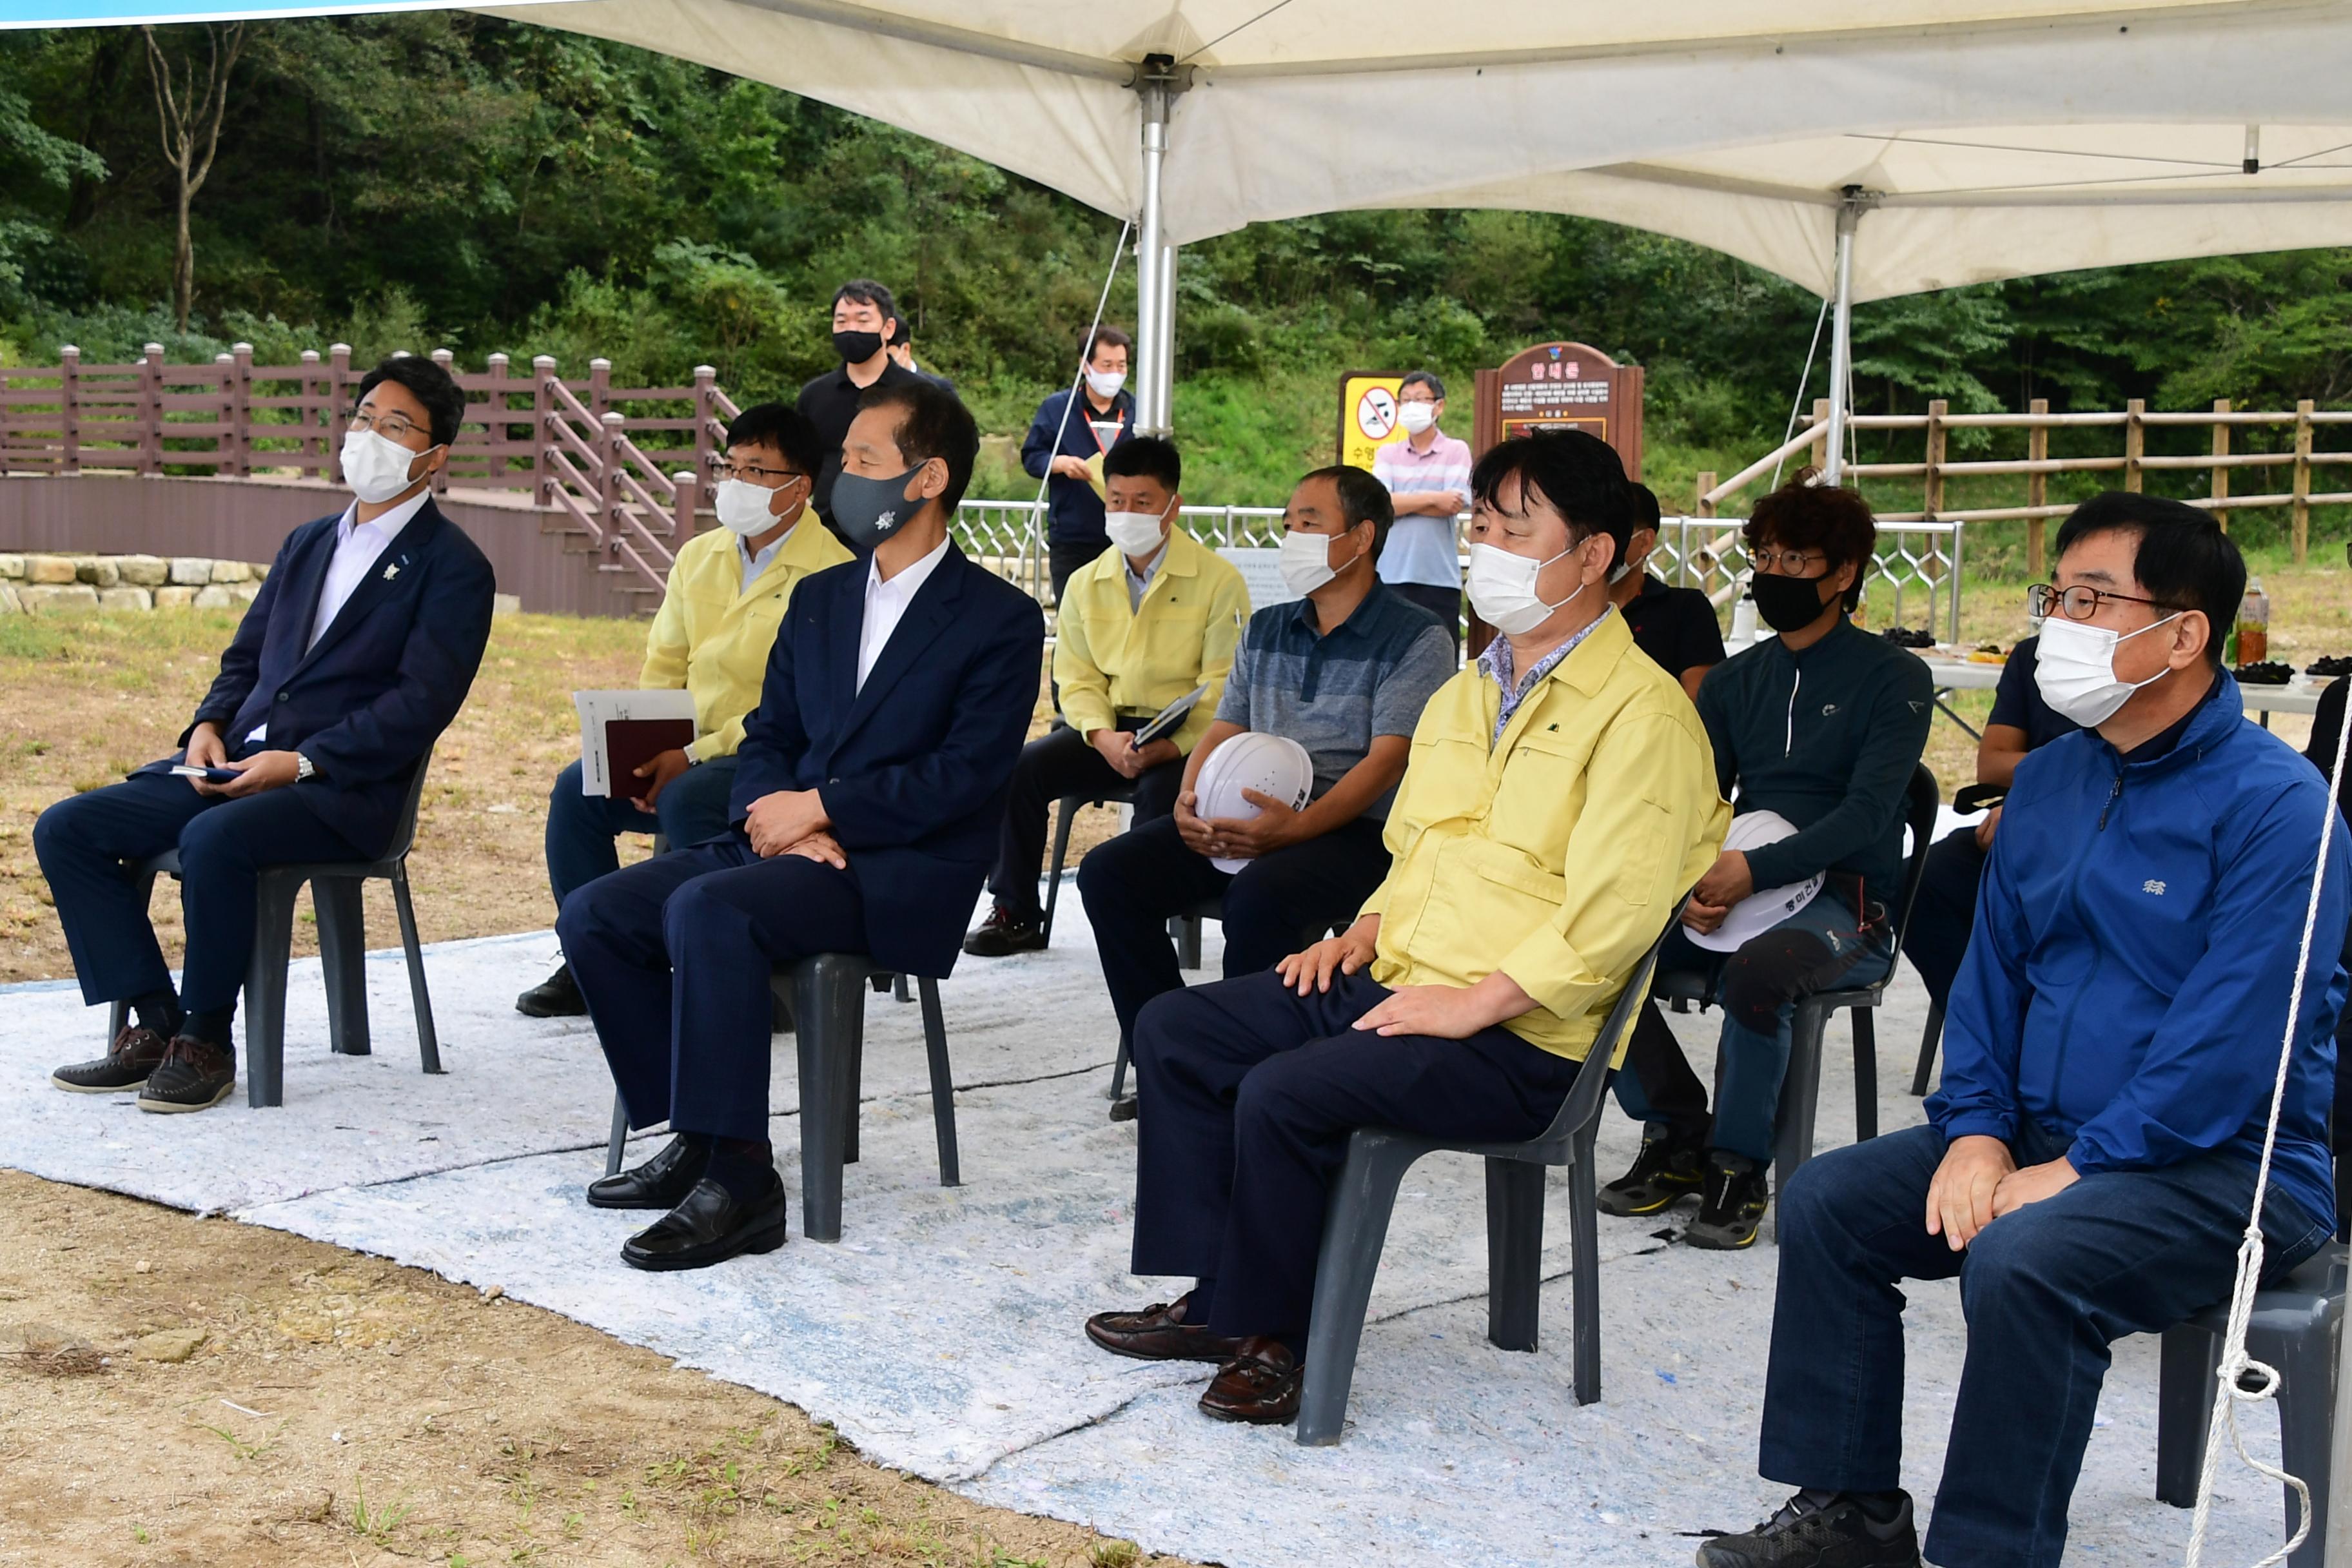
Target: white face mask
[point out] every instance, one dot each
(375, 466)
(1416, 416)
(1135, 532)
(1501, 589)
(743, 507)
(1105, 384)
(2075, 669)
(1306, 561)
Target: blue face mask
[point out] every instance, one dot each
(869, 512)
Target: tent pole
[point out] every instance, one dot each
(1159, 363)
(1152, 253)
(1848, 218)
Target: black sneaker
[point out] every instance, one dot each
(1664, 1174)
(556, 997)
(1733, 1205)
(126, 1064)
(1821, 1530)
(1003, 933)
(195, 1075)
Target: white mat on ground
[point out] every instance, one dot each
(942, 1335)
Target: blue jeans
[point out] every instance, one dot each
(1818, 948)
(2046, 1289)
(581, 827)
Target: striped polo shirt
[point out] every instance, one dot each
(1332, 694)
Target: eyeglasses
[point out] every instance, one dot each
(1788, 562)
(2080, 602)
(392, 426)
(771, 478)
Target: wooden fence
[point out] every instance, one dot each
(591, 452)
(1937, 469)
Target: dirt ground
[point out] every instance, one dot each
(339, 1410)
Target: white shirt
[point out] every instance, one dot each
(1139, 583)
(886, 605)
(755, 564)
(358, 547)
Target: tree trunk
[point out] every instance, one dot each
(183, 260)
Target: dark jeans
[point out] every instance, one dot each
(1938, 937)
(673, 955)
(1249, 1091)
(87, 843)
(1273, 907)
(1064, 556)
(581, 827)
(2046, 1289)
(1818, 948)
(1051, 766)
(1445, 603)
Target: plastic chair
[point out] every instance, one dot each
(1929, 1038)
(342, 950)
(1793, 1137)
(827, 993)
(1066, 811)
(1356, 1227)
(2294, 1328)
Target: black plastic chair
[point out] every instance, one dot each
(343, 952)
(1930, 1038)
(827, 994)
(2294, 1328)
(1793, 1138)
(1356, 1227)
(1066, 812)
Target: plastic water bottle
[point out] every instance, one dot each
(1743, 621)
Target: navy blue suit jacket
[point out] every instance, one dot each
(368, 702)
(914, 769)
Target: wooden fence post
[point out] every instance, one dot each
(313, 442)
(608, 485)
(495, 431)
(706, 409)
(1931, 488)
(2303, 480)
(338, 407)
(447, 361)
(2221, 474)
(2134, 442)
(681, 523)
(542, 428)
(241, 405)
(2037, 487)
(1821, 433)
(151, 409)
(223, 444)
(69, 409)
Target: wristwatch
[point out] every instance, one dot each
(302, 767)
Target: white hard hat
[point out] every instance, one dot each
(1765, 908)
(1274, 766)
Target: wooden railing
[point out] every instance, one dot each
(1937, 469)
(590, 452)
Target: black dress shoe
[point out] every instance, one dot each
(556, 997)
(1005, 932)
(661, 1183)
(709, 1228)
(195, 1075)
(135, 1053)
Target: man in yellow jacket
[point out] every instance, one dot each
(1142, 625)
(1560, 799)
(728, 590)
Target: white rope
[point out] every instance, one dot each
(1037, 508)
(1811, 350)
(2236, 1365)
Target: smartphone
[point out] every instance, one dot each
(210, 776)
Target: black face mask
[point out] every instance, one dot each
(856, 348)
(1786, 604)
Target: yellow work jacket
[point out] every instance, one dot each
(712, 636)
(1558, 853)
(1109, 660)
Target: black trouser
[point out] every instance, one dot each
(1273, 907)
(1064, 556)
(1051, 766)
(1945, 912)
(1445, 603)
(1249, 1092)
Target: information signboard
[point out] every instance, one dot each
(1562, 387)
(1368, 415)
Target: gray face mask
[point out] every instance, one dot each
(869, 512)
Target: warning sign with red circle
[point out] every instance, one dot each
(1368, 414)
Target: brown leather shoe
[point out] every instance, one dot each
(1259, 1386)
(1160, 1332)
(195, 1075)
(135, 1053)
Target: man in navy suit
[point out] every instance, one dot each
(868, 792)
(352, 660)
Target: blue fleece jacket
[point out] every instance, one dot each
(2126, 982)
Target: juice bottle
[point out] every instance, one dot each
(2254, 624)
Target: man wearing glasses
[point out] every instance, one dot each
(1820, 726)
(2112, 1046)
(728, 590)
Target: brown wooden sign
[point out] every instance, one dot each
(1562, 386)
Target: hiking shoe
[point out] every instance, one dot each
(1823, 1530)
(1003, 933)
(556, 997)
(126, 1064)
(195, 1075)
(1664, 1174)
(1732, 1206)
